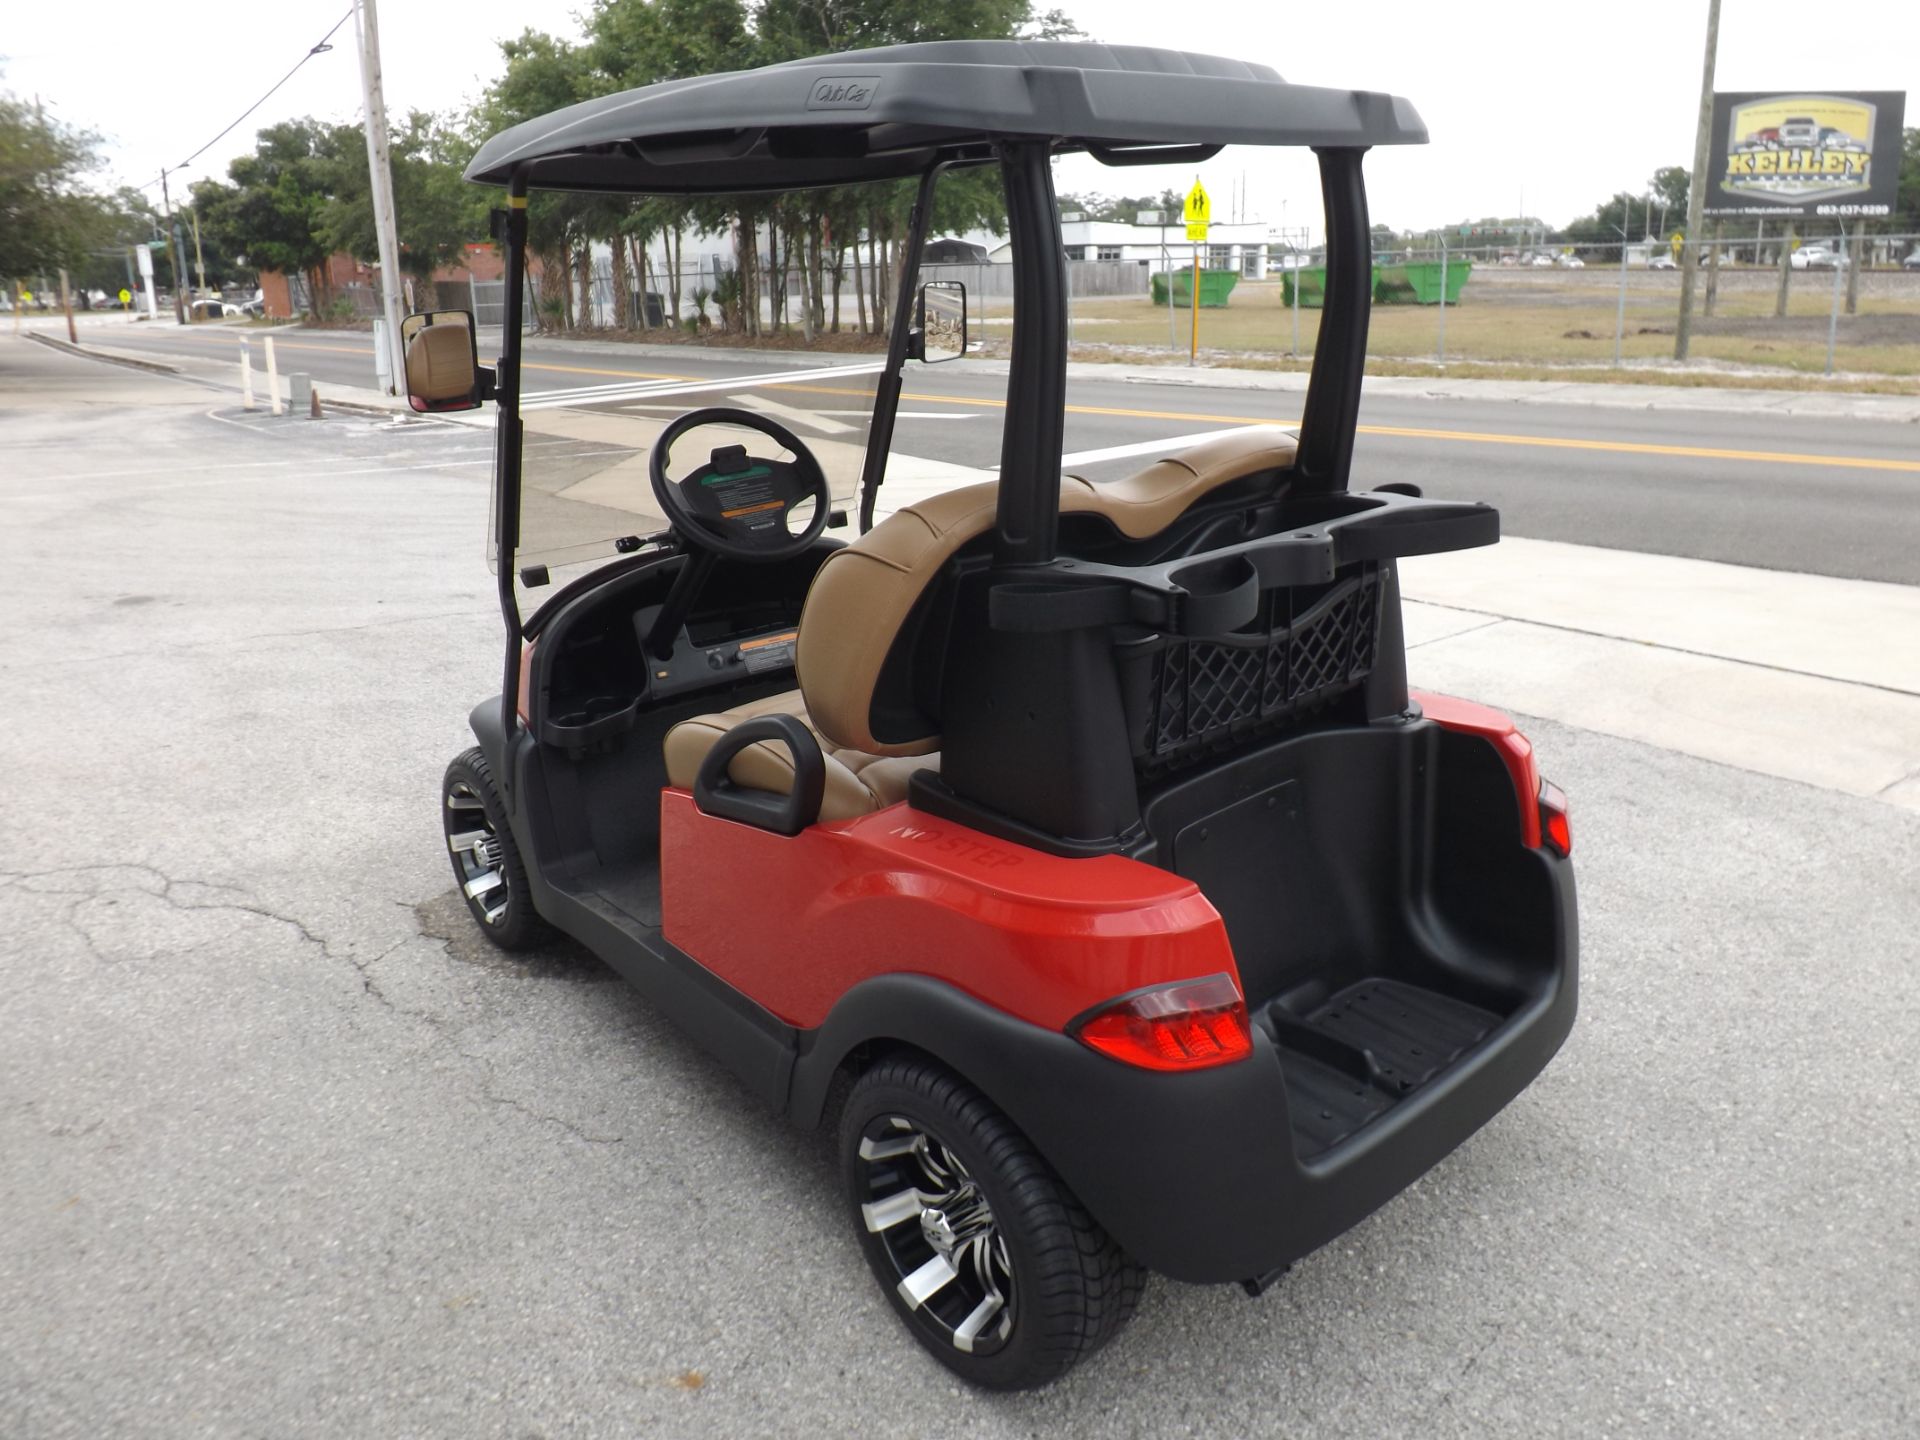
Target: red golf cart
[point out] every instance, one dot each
(1077, 848)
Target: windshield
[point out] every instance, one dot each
(777, 305)
(585, 493)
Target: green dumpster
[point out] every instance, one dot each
(1215, 286)
(1412, 284)
(1312, 280)
(1418, 282)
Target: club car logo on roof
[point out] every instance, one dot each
(1800, 147)
(843, 92)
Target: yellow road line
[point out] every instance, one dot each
(1402, 432)
(1630, 447)
(1489, 437)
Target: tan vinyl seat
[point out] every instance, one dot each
(864, 594)
(857, 783)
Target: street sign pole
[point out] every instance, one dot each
(143, 256)
(1198, 214)
(1193, 302)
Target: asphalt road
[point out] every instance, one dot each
(1830, 497)
(281, 1158)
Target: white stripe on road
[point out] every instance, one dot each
(1149, 447)
(793, 414)
(600, 394)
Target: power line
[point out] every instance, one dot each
(319, 48)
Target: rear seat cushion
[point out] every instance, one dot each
(857, 783)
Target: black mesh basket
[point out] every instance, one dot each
(1306, 647)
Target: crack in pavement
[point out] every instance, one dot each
(493, 1096)
(82, 884)
(167, 885)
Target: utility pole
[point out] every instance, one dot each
(173, 254)
(1697, 190)
(380, 172)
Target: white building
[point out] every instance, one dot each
(1241, 247)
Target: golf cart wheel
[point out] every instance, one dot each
(989, 1259)
(486, 863)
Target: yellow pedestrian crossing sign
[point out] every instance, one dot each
(125, 295)
(1198, 212)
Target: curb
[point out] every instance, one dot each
(155, 366)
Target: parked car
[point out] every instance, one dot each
(1912, 262)
(1570, 262)
(1541, 260)
(1817, 257)
(1663, 261)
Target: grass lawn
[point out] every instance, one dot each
(1527, 325)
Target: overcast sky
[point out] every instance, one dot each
(1550, 106)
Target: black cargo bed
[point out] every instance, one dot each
(1363, 1050)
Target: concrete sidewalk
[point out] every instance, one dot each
(224, 374)
(1804, 677)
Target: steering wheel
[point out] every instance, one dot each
(737, 505)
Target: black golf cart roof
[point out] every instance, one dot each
(884, 113)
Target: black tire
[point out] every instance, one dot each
(1064, 1287)
(470, 807)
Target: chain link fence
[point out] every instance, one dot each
(1809, 308)
(1768, 304)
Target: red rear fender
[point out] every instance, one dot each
(794, 923)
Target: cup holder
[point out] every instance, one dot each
(1222, 595)
(588, 721)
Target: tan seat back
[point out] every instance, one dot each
(440, 363)
(863, 594)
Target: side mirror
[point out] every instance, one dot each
(939, 322)
(443, 364)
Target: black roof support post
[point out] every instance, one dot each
(1340, 356)
(886, 396)
(1028, 517)
(506, 448)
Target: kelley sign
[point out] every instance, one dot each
(1804, 154)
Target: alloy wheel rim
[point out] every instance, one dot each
(478, 861)
(939, 1234)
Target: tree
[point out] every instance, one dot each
(436, 212)
(275, 211)
(543, 74)
(49, 219)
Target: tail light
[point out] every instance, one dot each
(1555, 828)
(1188, 1026)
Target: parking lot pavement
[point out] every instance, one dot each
(279, 1158)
